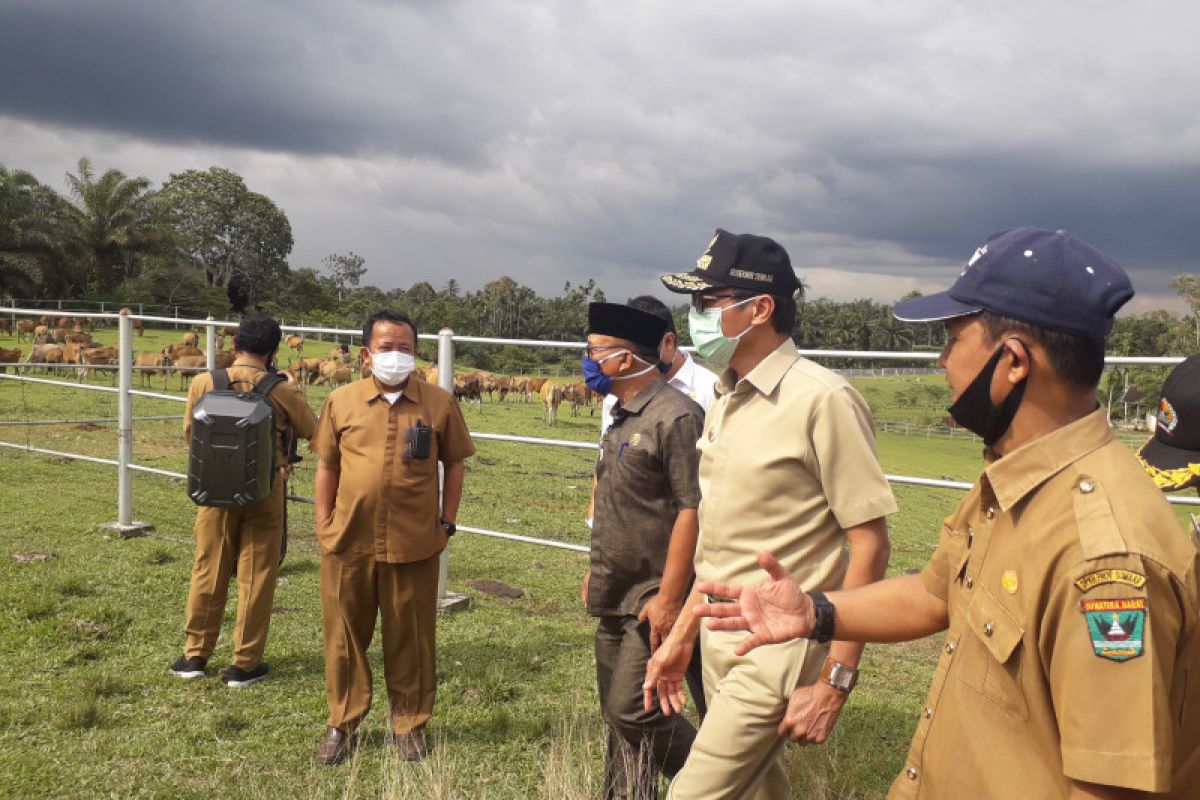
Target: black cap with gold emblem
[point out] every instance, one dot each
(739, 261)
(1172, 456)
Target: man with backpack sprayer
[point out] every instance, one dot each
(236, 531)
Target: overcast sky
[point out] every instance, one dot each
(880, 142)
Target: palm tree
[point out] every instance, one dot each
(26, 229)
(110, 225)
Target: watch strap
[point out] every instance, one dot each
(823, 613)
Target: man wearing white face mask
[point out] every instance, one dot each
(679, 368)
(787, 457)
(379, 441)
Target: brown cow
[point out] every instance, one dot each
(189, 339)
(79, 337)
(92, 356)
(578, 395)
(61, 335)
(44, 354)
(147, 364)
(466, 386)
(25, 329)
(174, 352)
(4, 327)
(139, 327)
(552, 395)
(64, 322)
(296, 343)
(44, 321)
(9, 357)
(306, 370)
(335, 373)
(187, 366)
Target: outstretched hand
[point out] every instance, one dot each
(774, 611)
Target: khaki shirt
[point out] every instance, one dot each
(787, 463)
(384, 506)
(291, 408)
(1072, 651)
(646, 474)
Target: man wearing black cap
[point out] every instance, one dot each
(643, 541)
(1070, 598)
(787, 462)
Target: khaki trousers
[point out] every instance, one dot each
(736, 753)
(354, 589)
(251, 538)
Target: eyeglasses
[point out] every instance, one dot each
(592, 349)
(702, 302)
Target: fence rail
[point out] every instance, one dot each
(446, 340)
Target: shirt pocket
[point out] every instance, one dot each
(992, 664)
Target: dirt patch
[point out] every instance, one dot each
(89, 426)
(277, 610)
(497, 589)
(28, 558)
(90, 627)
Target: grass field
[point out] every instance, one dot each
(89, 624)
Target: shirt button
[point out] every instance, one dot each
(911, 772)
(987, 629)
(951, 647)
(1086, 487)
(990, 513)
(969, 581)
(928, 712)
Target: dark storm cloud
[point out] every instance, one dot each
(273, 76)
(558, 141)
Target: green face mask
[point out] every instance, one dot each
(711, 343)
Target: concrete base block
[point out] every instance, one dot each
(133, 530)
(451, 602)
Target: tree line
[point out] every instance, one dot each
(203, 241)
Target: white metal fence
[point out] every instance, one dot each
(445, 339)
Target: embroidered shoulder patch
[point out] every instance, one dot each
(1102, 576)
(1116, 627)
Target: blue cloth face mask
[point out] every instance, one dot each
(597, 381)
(711, 343)
(594, 377)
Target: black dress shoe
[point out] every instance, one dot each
(334, 748)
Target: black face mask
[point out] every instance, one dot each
(975, 411)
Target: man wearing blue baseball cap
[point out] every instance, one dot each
(1068, 594)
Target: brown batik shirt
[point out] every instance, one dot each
(647, 472)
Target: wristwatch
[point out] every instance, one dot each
(823, 612)
(449, 527)
(838, 675)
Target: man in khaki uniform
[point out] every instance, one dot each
(787, 461)
(379, 441)
(247, 539)
(1068, 589)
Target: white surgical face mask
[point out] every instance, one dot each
(392, 367)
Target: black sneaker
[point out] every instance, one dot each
(236, 677)
(189, 668)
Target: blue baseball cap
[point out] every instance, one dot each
(1047, 279)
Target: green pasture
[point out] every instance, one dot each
(89, 624)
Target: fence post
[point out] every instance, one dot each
(447, 600)
(125, 526)
(210, 342)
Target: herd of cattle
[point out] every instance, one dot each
(55, 346)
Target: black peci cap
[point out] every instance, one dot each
(1172, 456)
(623, 322)
(739, 261)
(1047, 279)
